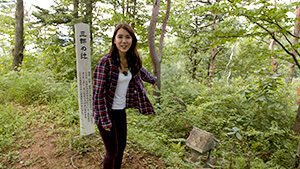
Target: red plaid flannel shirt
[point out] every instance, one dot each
(105, 82)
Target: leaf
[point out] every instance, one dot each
(257, 71)
(261, 98)
(238, 135)
(235, 129)
(245, 92)
(231, 133)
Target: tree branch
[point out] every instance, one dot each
(205, 2)
(272, 35)
(232, 49)
(202, 49)
(162, 35)
(282, 46)
(205, 26)
(291, 44)
(179, 100)
(225, 53)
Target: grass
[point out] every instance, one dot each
(14, 123)
(43, 117)
(37, 137)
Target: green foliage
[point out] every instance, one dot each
(6, 30)
(267, 94)
(193, 24)
(79, 144)
(11, 125)
(59, 57)
(251, 111)
(62, 15)
(22, 96)
(155, 141)
(250, 54)
(26, 87)
(245, 114)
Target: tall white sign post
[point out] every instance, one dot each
(84, 78)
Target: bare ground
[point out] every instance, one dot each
(44, 152)
(48, 146)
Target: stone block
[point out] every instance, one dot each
(200, 140)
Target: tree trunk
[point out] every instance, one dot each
(134, 13)
(296, 127)
(156, 56)
(296, 164)
(75, 5)
(292, 71)
(75, 15)
(163, 30)
(123, 8)
(296, 32)
(89, 6)
(19, 37)
(151, 43)
(273, 60)
(212, 65)
(194, 64)
(151, 35)
(212, 56)
(88, 18)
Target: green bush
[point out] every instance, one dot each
(26, 87)
(12, 122)
(245, 114)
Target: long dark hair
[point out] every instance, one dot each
(132, 55)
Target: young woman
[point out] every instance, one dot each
(118, 85)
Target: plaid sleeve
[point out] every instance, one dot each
(146, 76)
(99, 94)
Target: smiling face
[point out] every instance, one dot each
(123, 41)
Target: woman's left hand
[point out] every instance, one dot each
(154, 85)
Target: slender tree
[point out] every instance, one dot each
(296, 126)
(213, 56)
(75, 11)
(19, 37)
(295, 40)
(155, 55)
(206, 34)
(88, 16)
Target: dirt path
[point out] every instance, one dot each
(47, 144)
(43, 151)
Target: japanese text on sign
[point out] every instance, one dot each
(84, 78)
(83, 42)
(85, 86)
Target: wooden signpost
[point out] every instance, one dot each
(84, 78)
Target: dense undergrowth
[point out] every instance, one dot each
(251, 117)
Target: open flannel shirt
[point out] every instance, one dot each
(106, 76)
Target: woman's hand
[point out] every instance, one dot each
(154, 85)
(107, 129)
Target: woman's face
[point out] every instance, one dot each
(123, 41)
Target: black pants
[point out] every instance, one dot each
(114, 140)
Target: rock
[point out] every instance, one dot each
(200, 140)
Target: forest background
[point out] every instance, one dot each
(229, 67)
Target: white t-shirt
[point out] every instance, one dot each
(119, 101)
